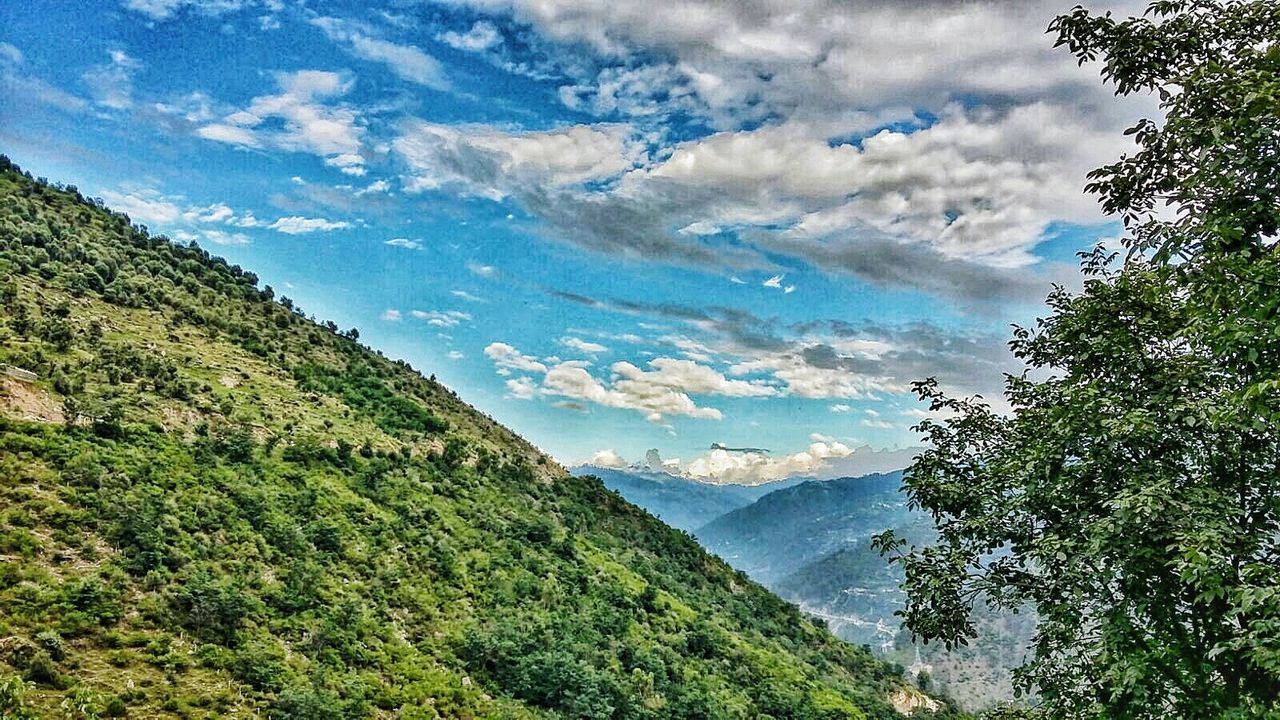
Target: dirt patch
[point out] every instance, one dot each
(907, 701)
(22, 401)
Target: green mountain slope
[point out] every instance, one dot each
(211, 506)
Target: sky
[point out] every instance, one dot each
(611, 226)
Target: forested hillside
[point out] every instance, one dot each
(215, 507)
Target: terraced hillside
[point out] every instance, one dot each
(212, 506)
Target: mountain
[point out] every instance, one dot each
(811, 544)
(783, 530)
(212, 506)
(680, 502)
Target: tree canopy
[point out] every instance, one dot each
(1130, 493)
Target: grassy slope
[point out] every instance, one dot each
(211, 506)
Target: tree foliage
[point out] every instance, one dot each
(1131, 494)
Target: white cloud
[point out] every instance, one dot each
(442, 318)
(607, 459)
(920, 145)
(663, 390)
(146, 206)
(482, 36)
(773, 282)
(111, 83)
(484, 271)
(493, 163)
(522, 388)
(391, 315)
(583, 346)
(298, 225)
(756, 468)
(160, 10)
(686, 376)
(824, 459)
(221, 237)
(654, 401)
(405, 243)
(229, 134)
(507, 357)
(153, 208)
(406, 61)
(828, 58)
(310, 121)
(464, 295)
(841, 408)
(456, 355)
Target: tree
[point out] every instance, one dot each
(1130, 494)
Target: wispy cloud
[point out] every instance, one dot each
(442, 318)
(405, 243)
(406, 61)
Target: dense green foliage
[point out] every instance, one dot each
(211, 506)
(1135, 488)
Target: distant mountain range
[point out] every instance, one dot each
(791, 526)
(809, 541)
(680, 502)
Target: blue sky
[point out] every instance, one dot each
(611, 226)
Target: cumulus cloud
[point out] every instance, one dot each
(925, 146)
(298, 225)
(310, 121)
(663, 390)
(739, 61)
(953, 208)
(607, 459)
(755, 468)
(583, 346)
(482, 36)
(154, 208)
(508, 358)
(391, 315)
(824, 459)
(827, 359)
(654, 401)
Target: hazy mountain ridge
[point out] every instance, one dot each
(214, 507)
(680, 502)
(783, 530)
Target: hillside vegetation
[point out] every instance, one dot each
(212, 506)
